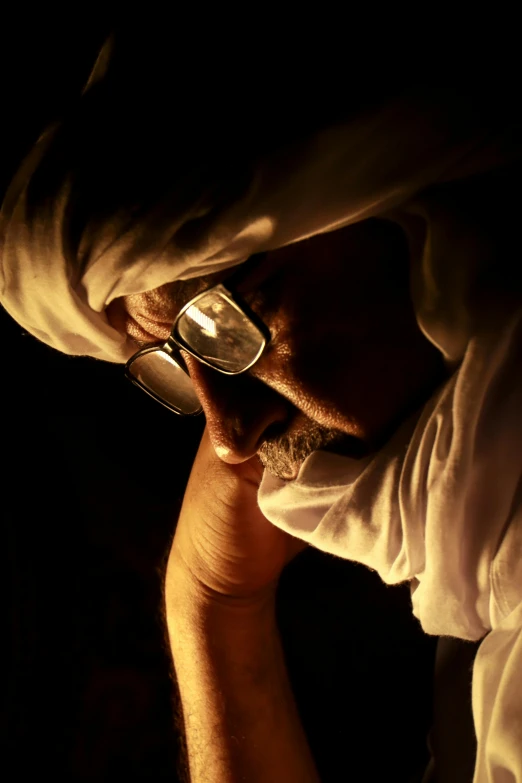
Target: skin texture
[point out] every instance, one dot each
(346, 362)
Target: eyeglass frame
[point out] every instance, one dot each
(174, 345)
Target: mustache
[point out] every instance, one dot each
(283, 455)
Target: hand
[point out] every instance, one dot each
(222, 540)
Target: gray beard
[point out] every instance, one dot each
(283, 456)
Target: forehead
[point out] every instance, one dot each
(349, 244)
(149, 316)
(298, 272)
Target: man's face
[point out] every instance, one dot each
(346, 362)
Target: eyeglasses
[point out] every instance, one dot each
(218, 329)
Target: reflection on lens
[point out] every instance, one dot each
(161, 375)
(206, 323)
(218, 331)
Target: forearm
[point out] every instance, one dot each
(240, 717)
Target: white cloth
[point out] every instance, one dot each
(57, 278)
(435, 504)
(440, 505)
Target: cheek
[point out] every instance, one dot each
(346, 348)
(356, 374)
(303, 377)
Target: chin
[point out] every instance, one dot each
(283, 456)
(279, 466)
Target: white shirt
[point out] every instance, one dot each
(441, 506)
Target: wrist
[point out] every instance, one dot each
(230, 639)
(186, 595)
(189, 601)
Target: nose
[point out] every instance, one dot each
(241, 411)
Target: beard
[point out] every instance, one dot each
(283, 455)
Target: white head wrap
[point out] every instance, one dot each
(72, 238)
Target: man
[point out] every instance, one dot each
(381, 393)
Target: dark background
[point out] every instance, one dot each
(93, 476)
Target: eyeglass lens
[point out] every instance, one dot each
(160, 374)
(218, 331)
